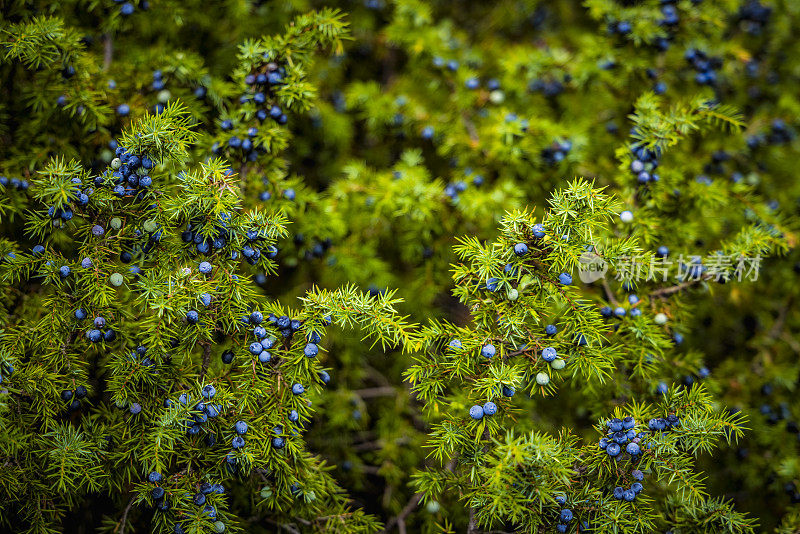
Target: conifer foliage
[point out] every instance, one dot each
(322, 266)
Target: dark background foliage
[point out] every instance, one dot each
(379, 203)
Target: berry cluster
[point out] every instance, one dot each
(203, 412)
(716, 165)
(550, 355)
(556, 152)
(260, 347)
(659, 87)
(774, 414)
(209, 244)
(317, 248)
(59, 216)
(164, 95)
(704, 66)
(754, 16)
(664, 424)
(158, 81)
(451, 65)
(621, 432)
(77, 195)
(16, 183)
(477, 411)
(565, 516)
(128, 8)
(692, 271)
(453, 189)
(549, 87)
(644, 162)
(74, 397)
(204, 491)
(635, 488)
(130, 173)
(779, 133)
(493, 284)
(98, 332)
(250, 149)
(669, 10)
(278, 442)
(621, 311)
(669, 21)
(285, 325)
(261, 86)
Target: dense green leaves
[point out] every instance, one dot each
(360, 175)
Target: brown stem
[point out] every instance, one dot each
(400, 518)
(471, 527)
(780, 320)
(124, 521)
(369, 393)
(206, 359)
(283, 526)
(108, 50)
(674, 289)
(609, 294)
(471, 130)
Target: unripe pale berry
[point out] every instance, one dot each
(542, 379)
